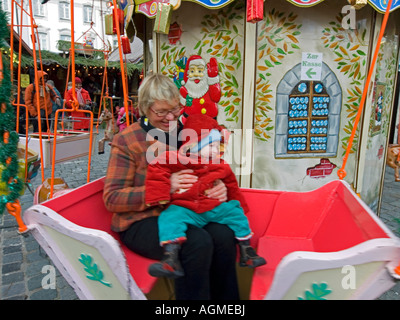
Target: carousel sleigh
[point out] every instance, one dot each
(322, 244)
(69, 145)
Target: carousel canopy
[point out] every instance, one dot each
(379, 5)
(148, 7)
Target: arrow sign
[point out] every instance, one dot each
(311, 66)
(310, 73)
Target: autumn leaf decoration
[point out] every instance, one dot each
(348, 46)
(276, 40)
(170, 55)
(221, 37)
(221, 33)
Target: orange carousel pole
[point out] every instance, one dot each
(104, 85)
(17, 103)
(75, 106)
(121, 61)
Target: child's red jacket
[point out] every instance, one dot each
(158, 184)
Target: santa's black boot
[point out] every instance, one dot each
(248, 256)
(170, 265)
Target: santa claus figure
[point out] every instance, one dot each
(200, 90)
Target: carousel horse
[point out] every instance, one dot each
(392, 159)
(111, 128)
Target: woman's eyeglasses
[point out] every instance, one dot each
(175, 111)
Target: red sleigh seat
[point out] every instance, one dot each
(329, 219)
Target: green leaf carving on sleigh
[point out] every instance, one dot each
(319, 291)
(94, 273)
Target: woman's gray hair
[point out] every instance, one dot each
(156, 87)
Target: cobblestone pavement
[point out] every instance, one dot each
(23, 263)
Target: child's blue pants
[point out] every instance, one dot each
(173, 221)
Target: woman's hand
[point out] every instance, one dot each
(219, 191)
(183, 179)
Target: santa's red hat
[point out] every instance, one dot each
(195, 58)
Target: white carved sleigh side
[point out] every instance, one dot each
(74, 230)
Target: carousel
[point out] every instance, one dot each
(292, 75)
(307, 90)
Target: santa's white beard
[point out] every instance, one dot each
(197, 90)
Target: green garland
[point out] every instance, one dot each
(49, 58)
(8, 151)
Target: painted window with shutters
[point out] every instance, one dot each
(308, 115)
(308, 118)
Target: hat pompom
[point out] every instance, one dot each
(199, 122)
